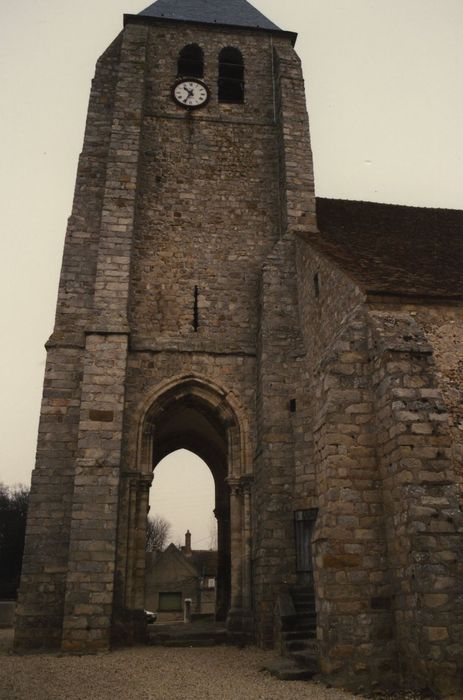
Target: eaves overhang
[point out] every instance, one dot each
(145, 19)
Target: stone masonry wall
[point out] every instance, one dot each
(274, 465)
(39, 613)
(327, 299)
(351, 578)
(94, 512)
(280, 352)
(208, 210)
(421, 498)
(443, 327)
(77, 279)
(352, 586)
(387, 543)
(91, 566)
(91, 296)
(297, 198)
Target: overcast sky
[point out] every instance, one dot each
(385, 100)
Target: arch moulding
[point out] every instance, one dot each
(221, 401)
(223, 407)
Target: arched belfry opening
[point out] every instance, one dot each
(194, 416)
(191, 62)
(231, 75)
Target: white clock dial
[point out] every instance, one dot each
(190, 93)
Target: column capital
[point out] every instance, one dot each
(240, 485)
(144, 482)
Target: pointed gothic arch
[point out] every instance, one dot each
(191, 413)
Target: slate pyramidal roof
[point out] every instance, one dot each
(231, 13)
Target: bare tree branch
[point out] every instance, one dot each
(157, 533)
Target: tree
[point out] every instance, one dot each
(13, 513)
(157, 533)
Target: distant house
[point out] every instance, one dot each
(179, 574)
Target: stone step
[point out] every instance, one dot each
(184, 637)
(296, 595)
(304, 609)
(306, 659)
(203, 642)
(295, 644)
(302, 589)
(299, 624)
(306, 632)
(286, 670)
(303, 598)
(306, 616)
(295, 634)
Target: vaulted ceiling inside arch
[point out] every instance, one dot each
(191, 425)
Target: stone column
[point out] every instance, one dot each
(223, 563)
(235, 544)
(247, 543)
(131, 542)
(240, 618)
(138, 595)
(130, 615)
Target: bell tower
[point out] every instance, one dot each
(314, 371)
(178, 269)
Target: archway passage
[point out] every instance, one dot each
(194, 416)
(193, 425)
(182, 494)
(181, 566)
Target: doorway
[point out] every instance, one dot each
(190, 415)
(185, 497)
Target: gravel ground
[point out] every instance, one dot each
(150, 673)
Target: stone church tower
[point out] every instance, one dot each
(309, 352)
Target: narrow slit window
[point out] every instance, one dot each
(231, 76)
(316, 284)
(196, 310)
(191, 62)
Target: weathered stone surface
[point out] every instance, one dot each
(342, 561)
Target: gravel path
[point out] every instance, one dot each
(150, 673)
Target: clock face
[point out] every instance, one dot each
(191, 93)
